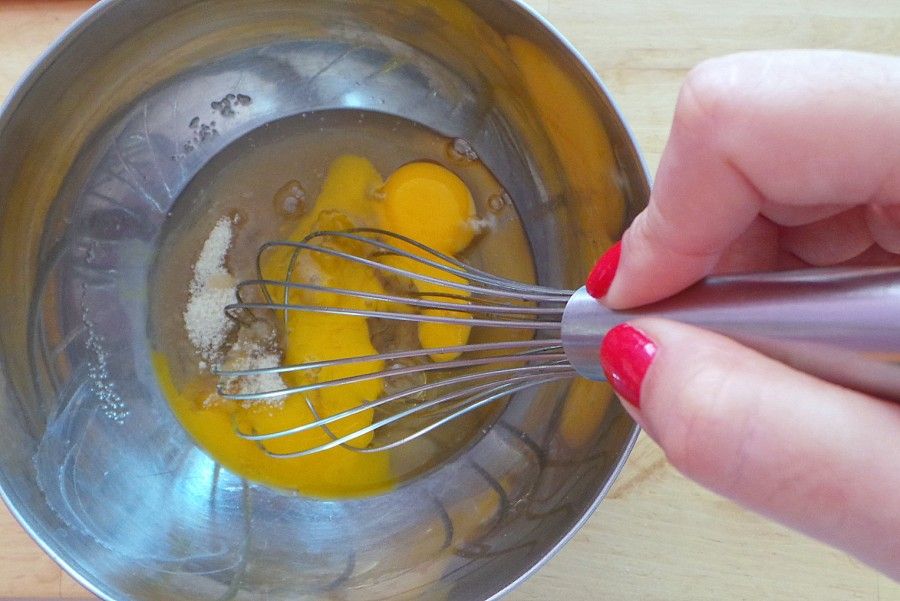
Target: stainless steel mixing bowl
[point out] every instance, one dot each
(96, 144)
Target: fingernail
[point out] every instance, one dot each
(604, 271)
(626, 354)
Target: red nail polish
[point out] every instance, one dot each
(604, 271)
(626, 354)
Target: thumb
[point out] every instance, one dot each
(810, 454)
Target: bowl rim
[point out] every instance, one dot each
(7, 108)
(46, 58)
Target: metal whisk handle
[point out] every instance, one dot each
(839, 324)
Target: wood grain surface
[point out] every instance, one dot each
(657, 536)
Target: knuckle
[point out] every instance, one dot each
(706, 95)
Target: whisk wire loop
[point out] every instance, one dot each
(468, 377)
(494, 376)
(489, 394)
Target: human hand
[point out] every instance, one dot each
(775, 160)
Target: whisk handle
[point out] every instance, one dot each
(839, 324)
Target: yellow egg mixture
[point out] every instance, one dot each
(421, 200)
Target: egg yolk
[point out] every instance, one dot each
(422, 201)
(430, 204)
(435, 335)
(337, 473)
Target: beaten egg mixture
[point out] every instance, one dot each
(423, 201)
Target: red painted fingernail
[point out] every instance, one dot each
(626, 354)
(604, 271)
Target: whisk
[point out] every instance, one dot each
(840, 324)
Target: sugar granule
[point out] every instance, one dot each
(212, 289)
(248, 355)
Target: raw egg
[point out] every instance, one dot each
(423, 201)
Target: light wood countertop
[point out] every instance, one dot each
(657, 536)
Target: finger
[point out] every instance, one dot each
(793, 215)
(830, 241)
(755, 130)
(875, 256)
(815, 456)
(756, 249)
(883, 222)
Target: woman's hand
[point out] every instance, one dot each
(775, 160)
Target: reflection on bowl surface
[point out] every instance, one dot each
(119, 123)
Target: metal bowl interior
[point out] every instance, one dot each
(95, 148)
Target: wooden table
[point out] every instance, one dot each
(657, 536)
